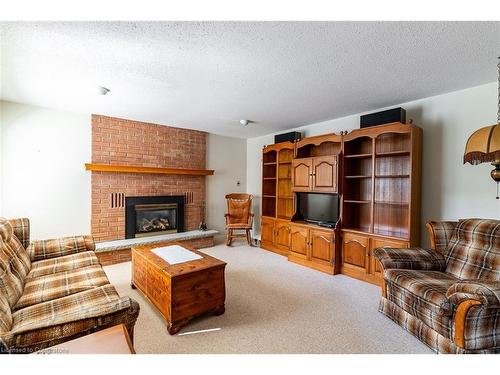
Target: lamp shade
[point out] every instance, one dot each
(483, 146)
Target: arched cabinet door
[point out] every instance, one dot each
(325, 172)
(322, 246)
(282, 239)
(299, 240)
(355, 252)
(302, 174)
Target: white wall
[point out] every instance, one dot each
(450, 190)
(227, 156)
(43, 176)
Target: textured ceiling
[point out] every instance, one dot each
(209, 75)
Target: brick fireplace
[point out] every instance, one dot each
(125, 142)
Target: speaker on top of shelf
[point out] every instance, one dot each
(290, 137)
(384, 117)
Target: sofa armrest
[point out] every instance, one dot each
(440, 233)
(466, 295)
(414, 258)
(21, 228)
(53, 248)
(485, 292)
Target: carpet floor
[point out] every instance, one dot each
(275, 306)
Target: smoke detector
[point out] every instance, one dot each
(244, 122)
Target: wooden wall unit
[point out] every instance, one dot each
(278, 204)
(377, 172)
(381, 194)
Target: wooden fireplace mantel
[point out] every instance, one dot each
(139, 169)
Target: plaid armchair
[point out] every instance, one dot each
(53, 291)
(448, 297)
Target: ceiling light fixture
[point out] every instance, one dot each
(244, 122)
(101, 90)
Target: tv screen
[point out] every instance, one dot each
(318, 207)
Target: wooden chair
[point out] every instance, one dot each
(239, 216)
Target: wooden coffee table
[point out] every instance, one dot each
(180, 291)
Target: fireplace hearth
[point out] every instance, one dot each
(151, 216)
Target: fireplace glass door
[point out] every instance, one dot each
(155, 219)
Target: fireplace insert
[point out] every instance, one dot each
(151, 216)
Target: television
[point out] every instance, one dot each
(318, 208)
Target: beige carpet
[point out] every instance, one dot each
(275, 306)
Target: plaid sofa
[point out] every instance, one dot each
(449, 296)
(53, 291)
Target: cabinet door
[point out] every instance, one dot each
(267, 230)
(299, 241)
(325, 171)
(322, 246)
(282, 238)
(355, 252)
(376, 267)
(302, 174)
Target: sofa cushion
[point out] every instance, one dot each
(58, 247)
(62, 264)
(422, 294)
(474, 250)
(49, 287)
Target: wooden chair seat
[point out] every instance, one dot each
(239, 226)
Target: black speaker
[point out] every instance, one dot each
(291, 137)
(384, 117)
